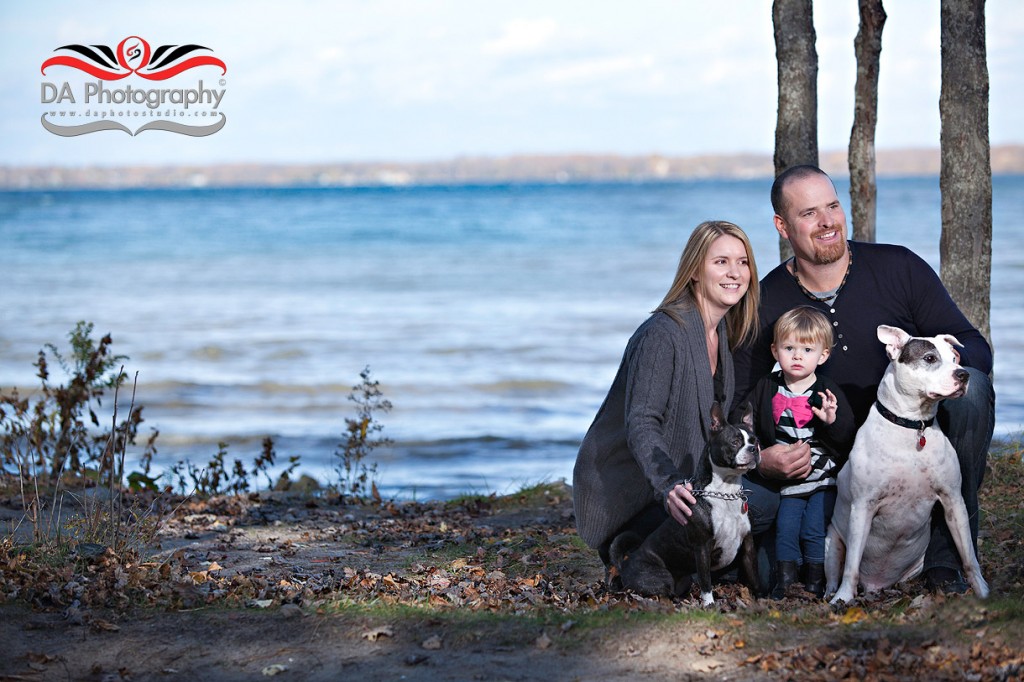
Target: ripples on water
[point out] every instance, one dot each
(494, 317)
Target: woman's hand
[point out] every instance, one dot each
(680, 502)
(782, 461)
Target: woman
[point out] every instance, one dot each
(649, 433)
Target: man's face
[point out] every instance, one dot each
(814, 222)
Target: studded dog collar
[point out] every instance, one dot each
(742, 495)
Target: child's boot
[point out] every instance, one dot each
(786, 573)
(814, 579)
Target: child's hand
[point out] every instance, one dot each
(827, 412)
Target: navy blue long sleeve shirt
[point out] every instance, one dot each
(887, 284)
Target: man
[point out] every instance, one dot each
(860, 286)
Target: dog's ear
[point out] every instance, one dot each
(894, 339)
(951, 340)
(747, 418)
(717, 418)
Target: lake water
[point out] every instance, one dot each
(493, 316)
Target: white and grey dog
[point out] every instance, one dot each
(900, 466)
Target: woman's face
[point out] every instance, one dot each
(725, 277)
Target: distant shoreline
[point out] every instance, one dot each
(562, 168)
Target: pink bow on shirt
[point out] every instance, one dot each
(799, 406)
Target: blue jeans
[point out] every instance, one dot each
(968, 422)
(801, 524)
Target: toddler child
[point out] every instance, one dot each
(793, 404)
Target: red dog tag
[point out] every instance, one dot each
(744, 506)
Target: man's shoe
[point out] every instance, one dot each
(945, 580)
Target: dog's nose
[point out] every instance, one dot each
(961, 375)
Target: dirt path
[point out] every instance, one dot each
(297, 588)
(234, 645)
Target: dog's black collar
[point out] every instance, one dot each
(915, 424)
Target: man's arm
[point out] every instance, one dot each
(936, 313)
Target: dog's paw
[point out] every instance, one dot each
(707, 599)
(841, 599)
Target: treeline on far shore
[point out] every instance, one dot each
(554, 168)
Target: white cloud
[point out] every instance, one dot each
(315, 79)
(521, 36)
(589, 70)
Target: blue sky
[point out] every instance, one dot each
(422, 80)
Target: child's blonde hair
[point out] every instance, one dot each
(806, 325)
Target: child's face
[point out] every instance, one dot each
(799, 359)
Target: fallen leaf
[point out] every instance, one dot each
(854, 614)
(100, 624)
(272, 670)
(432, 643)
(378, 632)
(291, 611)
(543, 642)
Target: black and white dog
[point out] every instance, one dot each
(901, 465)
(664, 562)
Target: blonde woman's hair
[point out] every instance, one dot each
(806, 325)
(741, 320)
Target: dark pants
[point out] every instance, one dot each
(801, 524)
(643, 524)
(968, 422)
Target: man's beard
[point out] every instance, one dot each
(829, 253)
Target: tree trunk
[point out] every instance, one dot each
(863, 190)
(796, 131)
(965, 177)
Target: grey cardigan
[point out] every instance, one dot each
(652, 427)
